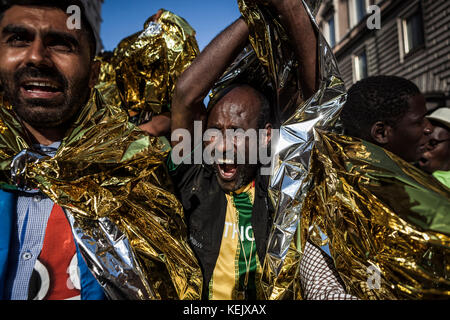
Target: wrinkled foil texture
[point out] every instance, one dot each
(387, 222)
(111, 180)
(268, 64)
(142, 72)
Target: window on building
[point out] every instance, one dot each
(357, 11)
(360, 7)
(360, 65)
(331, 32)
(413, 36)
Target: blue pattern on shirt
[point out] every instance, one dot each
(33, 212)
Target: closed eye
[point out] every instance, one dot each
(61, 41)
(60, 45)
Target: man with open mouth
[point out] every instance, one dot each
(43, 72)
(47, 72)
(226, 203)
(62, 152)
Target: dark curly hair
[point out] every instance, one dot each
(376, 98)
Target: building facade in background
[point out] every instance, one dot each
(413, 42)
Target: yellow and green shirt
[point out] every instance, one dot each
(237, 250)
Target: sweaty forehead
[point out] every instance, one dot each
(37, 18)
(240, 107)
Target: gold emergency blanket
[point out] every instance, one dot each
(142, 72)
(270, 66)
(388, 223)
(111, 179)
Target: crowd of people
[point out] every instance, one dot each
(48, 75)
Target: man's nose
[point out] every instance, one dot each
(37, 54)
(223, 144)
(428, 127)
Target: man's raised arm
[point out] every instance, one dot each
(196, 81)
(194, 84)
(303, 37)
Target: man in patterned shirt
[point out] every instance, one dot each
(51, 112)
(47, 71)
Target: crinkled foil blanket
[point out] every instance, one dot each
(142, 71)
(388, 223)
(111, 179)
(269, 65)
(411, 262)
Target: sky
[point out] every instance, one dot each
(122, 18)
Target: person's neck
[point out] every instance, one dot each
(46, 136)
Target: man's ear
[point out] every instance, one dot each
(95, 72)
(380, 132)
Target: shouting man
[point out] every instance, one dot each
(226, 203)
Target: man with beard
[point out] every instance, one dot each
(436, 158)
(226, 203)
(47, 72)
(74, 190)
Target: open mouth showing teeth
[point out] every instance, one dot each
(41, 86)
(41, 89)
(227, 171)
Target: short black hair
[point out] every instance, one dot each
(60, 4)
(265, 111)
(376, 98)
